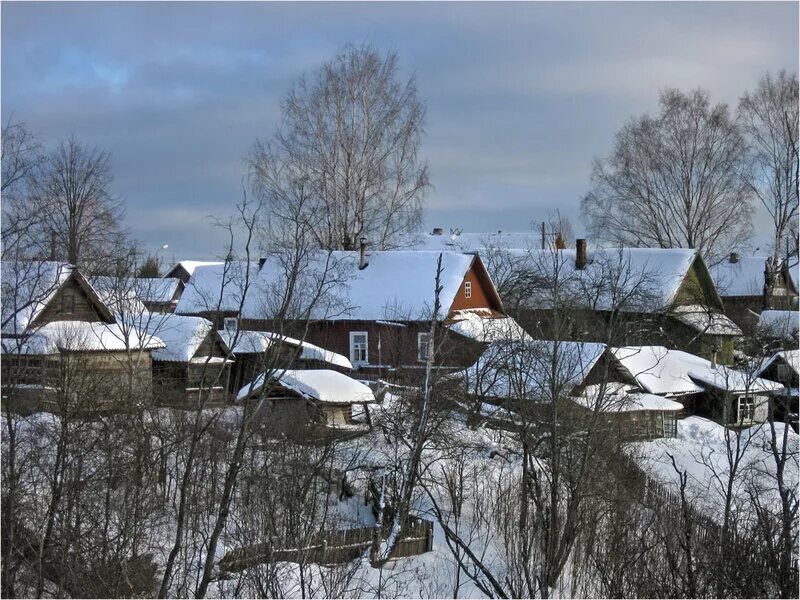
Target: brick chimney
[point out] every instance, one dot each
(362, 259)
(580, 253)
(733, 258)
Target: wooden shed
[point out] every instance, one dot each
(296, 402)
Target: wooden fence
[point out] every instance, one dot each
(331, 547)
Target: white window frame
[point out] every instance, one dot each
(423, 335)
(743, 402)
(467, 289)
(230, 321)
(353, 348)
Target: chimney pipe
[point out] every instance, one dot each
(437, 231)
(733, 258)
(52, 245)
(714, 359)
(362, 259)
(580, 253)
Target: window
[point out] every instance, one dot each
(424, 346)
(467, 289)
(747, 409)
(231, 324)
(670, 424)
(783, 373)
(359, 348)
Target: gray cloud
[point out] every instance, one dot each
(521, 96)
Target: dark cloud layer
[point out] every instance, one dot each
(521, 96)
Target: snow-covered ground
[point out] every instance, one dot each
(712, 456)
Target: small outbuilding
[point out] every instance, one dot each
(294, 400)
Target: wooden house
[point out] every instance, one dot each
(784, 368)
(375, 309)
(729, 396)
(635, 295)
(530, 376)
(296, 402)
(62, 347)
(193, 367)
(750, 284)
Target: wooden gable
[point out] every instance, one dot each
(477, 290)
(606, 369)
(698, 287)
(211, 346)
(75, 300)
(179, 272)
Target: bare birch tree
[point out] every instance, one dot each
(348, 149)
(81, 217)
(674, 180)
(769, 118)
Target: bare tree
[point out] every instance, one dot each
(769, 117)
(81, 216)
(21, 159)
(347, 153)
(674, 180)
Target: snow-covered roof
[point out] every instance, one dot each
(216, 287)
(520, 370)
(119, 295)
(319, 385)
(156, 289)
(395, 285)
(190, 265)
(81, 336)
(257, 342)
(742, 278)
(790, 357)
(482, 325)
(27, 287)
(617, 397)
(674, 372)
(779, 323)
(182, 335)
(628, 279)
(703, 320)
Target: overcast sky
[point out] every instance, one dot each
(520, 96)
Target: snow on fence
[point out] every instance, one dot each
(331, 547)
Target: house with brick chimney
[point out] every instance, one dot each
(373, 307)
(632, 295)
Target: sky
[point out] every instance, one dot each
(521, 97)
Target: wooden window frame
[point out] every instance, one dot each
(467, 289)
